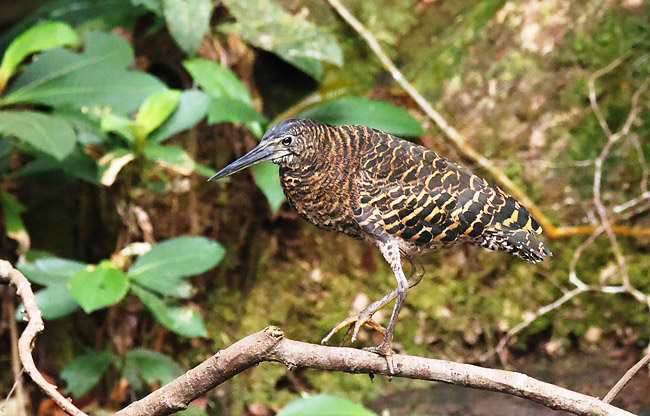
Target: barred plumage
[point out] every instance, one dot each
(393, 194)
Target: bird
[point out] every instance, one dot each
(395, 195)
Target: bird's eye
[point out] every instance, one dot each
(287, 140)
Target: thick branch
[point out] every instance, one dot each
(222, 366)
(269, 345)
(26, 341)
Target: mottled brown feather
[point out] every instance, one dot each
(374, 186)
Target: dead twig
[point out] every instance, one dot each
(460, 143)
(26, 340)
(626, 378)
(270, 345)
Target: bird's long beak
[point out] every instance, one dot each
(261, 152)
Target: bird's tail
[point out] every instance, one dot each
(521, 243)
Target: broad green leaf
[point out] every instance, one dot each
(170, 157)
(267, 178)
(264, 24)
(98, 287)
(216, 80)
(13, 224)
(82, 14)
(188, 21)
(78, 164)
(55, 301)
(94, 80)
(84, 372)
(227, 109)
(48, 133)
(152, 366)
(191, 108)
(324, 405)
(112, 163)
(203, 170)
(178, 257)
(181, 320)
(115, 123)
(372, 113)
(175, 286)
(154, 111)
(44, 36)
(50, 270)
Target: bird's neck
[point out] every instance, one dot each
(330, 160)
(322, 179)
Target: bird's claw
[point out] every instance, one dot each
(355, 323)
(385, 350)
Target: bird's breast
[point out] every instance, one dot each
(321, 197)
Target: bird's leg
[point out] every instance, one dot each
(391, 253)
(365, 316)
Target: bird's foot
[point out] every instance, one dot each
(385, 350)
(355, 323)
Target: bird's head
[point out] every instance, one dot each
(282, 144)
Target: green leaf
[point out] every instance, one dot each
(50, 270)
(78, 164)
(163, 268)
(266, 25)
(228, 109)
(267, 178)
(154, 111)
(151, 366)
(188, 21)
(114, 123)
(203, 170)
(172, 286)
(372, 113)
(48, 133)
(13, 224)
(217, 80)
(84, 372)
(91, 80)
(98, 287)
(171, 157)
(191, 108)
(82, 14)
(178, 319)
(324, 405)
(44, 36)
(55, 301)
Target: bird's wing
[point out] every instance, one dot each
(408, 191)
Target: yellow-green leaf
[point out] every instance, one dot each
(154, 111)
(44, 36)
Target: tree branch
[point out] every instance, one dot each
(270, 345)
(626, 378)
(26, 342)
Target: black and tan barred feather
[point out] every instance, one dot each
(374, 186)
